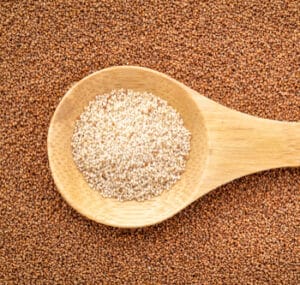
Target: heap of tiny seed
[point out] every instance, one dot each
(243, 54)
(130, 145)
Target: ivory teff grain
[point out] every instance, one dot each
(130, 145)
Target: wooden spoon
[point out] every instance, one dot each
(225, 145)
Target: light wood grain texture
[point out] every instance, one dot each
(225, 145)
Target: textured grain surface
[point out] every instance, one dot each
(130, 145)
(245, 56)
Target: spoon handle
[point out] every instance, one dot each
(258, 144)
(240, 144)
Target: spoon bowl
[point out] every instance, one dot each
(225, 145)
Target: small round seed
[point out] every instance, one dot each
(130, 145)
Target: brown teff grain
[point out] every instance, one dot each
(243, 54)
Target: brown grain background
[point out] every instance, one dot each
(243, 54)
